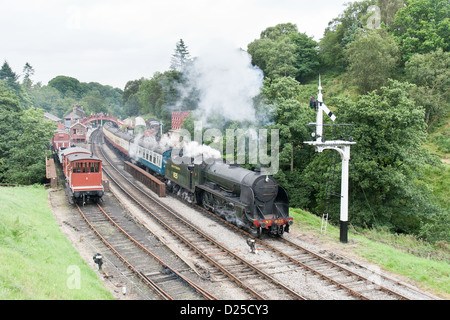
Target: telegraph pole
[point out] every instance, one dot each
(341, 146)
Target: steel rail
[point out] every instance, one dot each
(303, 265)
(197, 288)
(145, 279)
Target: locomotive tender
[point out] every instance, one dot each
(248, 199)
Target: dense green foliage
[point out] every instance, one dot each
(372, 56)
(388, 158)
(283, 51)
(94, 97)
(24, 138)
(422, 26)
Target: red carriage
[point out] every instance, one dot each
(83, 172)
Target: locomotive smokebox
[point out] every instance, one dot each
(264, 187)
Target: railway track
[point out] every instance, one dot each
(291, 256)
(252, 279)
(166, 282)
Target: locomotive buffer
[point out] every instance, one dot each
(340, 145)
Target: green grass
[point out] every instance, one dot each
(36, 260)
(430, 274)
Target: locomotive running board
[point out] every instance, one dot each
(225, 195)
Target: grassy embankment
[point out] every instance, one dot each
(36, 260)
(431, 274)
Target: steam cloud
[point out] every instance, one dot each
(227, 82)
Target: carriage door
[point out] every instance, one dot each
(191, 174)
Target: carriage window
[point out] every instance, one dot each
(95, 167)
(76, 168)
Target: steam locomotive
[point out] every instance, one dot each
(248, 199)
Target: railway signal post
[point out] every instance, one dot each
(341, 143)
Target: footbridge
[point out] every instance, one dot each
(101, 117)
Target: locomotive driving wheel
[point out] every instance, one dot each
(207, 201)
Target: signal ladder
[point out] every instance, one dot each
(329, 192)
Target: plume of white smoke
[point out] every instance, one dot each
(226, 81)
(151, 143)
(200, 152)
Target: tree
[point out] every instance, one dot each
(386, 160)
(342, 31)
(371, 59)
(388, 9)
(306, 54)
(25, 161)
(27, 72)
(279, 31)
(10, 112)
(282, 51)
(8, 80)
(281, 59)
(7, 74)
(422, 26)
(151, 95)
(67, 86)
(289, 116)
(47, 98)
(431, 73)
(132, 87)
(180, 57)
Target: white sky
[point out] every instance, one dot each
(112, 41)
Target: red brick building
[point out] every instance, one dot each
(77, 132)
(178, 118)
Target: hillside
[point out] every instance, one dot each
(36, 260)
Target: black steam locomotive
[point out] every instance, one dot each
(250, 200)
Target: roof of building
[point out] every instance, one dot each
(51, 117)
(75, 150)
(82, 156)
(77, 123)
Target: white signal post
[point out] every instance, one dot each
(341, 146)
